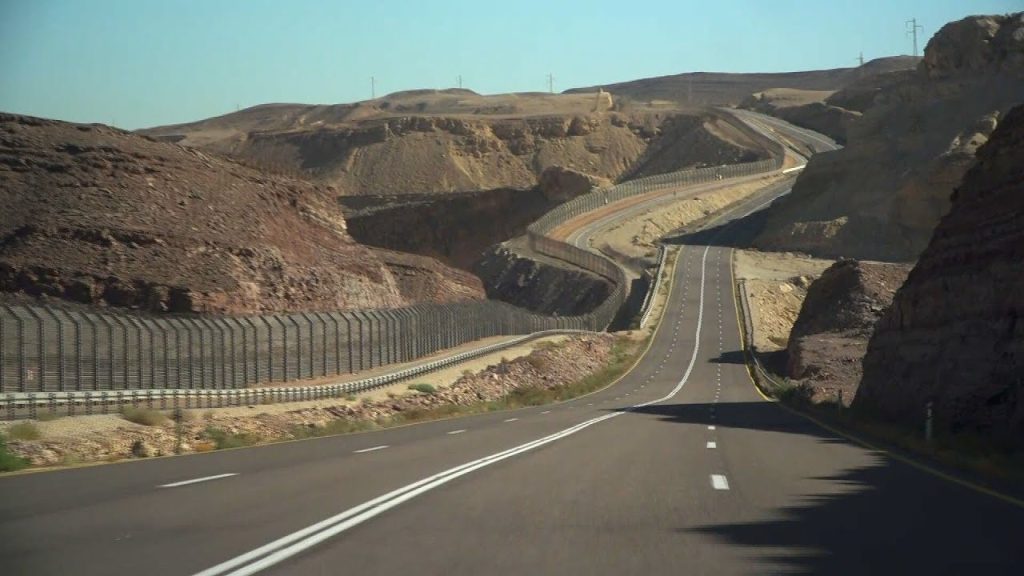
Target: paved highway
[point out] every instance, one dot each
(681, 467)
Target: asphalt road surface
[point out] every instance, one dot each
(679, 468)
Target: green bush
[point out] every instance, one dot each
(143, 416)
(223, 439)
(9, 462)
(423, 388)
(24, 431)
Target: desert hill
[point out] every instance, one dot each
(730, 89)
(881, 196)
(431, 141)
(96, 215)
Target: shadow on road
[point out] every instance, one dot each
(883, 518)
(733, 357)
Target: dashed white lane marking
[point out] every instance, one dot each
(711, 427)
(457, 431)
(546, 412)
(511, 419)
(719, 482)
(197, 480)
(590, 404)
(712, 445)
(374, 449)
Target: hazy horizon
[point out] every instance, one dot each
(144, 63)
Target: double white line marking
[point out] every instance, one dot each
(283, 548)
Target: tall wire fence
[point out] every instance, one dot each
(46, 349)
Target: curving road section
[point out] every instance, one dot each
(679, 468)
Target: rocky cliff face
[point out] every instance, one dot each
(540, 286)
(831, 332)
(444, 142)
(881, 196)
(97, 215)
(955, 332)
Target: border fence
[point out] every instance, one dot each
(53, 349)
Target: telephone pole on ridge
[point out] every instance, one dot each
(912, 28)
(373, 87)
(551, 83)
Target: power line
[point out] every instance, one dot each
(912, 28)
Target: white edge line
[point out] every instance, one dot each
(456, 431)
(373, 449)
(197, 480)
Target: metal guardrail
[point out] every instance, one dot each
(647, 306)
(28, 404)
(748, 336)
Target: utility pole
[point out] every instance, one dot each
(460, 81)
(551, 83)
(861, 58)
(912, 28)
(373, 87)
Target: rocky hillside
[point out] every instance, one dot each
(881, 196)
(95, 215)
(832, 112)
(457, 228)
(457, 141)
(831, 332)
(955, 332)
(540, 285)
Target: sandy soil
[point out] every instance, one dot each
(776, 285)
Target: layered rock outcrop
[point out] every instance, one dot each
(830, 335)
(539, 285)
(96, 215)
(882, 195)
(954, 335)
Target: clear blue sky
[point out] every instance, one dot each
(141, 63)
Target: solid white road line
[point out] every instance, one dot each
(711, 427)
(287, 546)
(712, 445)
(197, 480)
(546, 412)
(719, 482)
(511, 419)
(374, 449)
(457, 431)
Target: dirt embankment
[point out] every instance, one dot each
(96, 215)
(776, 285)
(954, 334)
(830, 335)
(455, 141)
(99, 438)
(881, 196)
